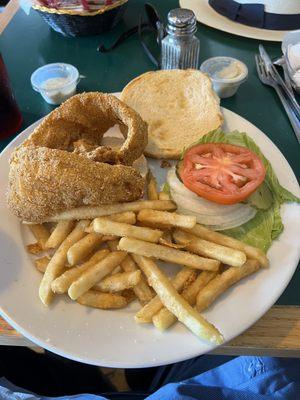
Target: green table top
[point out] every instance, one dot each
(28, 43)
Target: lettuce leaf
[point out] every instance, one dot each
(166, 188)
(267, 225)
(261, 230)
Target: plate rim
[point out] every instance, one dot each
(121, 364)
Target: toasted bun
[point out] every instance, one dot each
(179, 106)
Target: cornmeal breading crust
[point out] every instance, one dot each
(47, 176)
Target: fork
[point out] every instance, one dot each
(267, 79)
(272, 71)
(280, 61)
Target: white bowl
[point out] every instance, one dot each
(224, 87)
(64, 79)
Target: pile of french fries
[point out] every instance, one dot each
(105, 257)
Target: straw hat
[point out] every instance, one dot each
(276, 6)
(266, 14)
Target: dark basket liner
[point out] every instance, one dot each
(78, 25)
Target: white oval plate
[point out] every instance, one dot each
(111, 338)
(208, 16)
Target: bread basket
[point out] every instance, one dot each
(82, 23)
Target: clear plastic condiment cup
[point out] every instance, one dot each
(225, 86)
(61, 89)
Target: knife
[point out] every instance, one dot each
(276, 76)
(280, 61)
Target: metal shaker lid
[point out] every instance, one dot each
(181, 21)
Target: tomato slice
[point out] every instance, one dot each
(222, 173)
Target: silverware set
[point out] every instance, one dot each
(269, 75)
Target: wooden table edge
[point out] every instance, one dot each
(276, 334)
(8, 13)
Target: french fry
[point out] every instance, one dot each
(95, 273)
(106, 238)
(41, 233)
(118, 282)
(34, 248)
(142, 290)
(96, 299)
(164, 253)
(166, 240)
(224, 240)
(83, 248)
(167, 236)
(226, 255)
(58, 235)
(222, 282)
(164, 318)
(176, 303)
(89, 212)
(106, 227)
(152, 193)
(58, 261)
(145, 314)
(127, 217)
(41, 263)
(113, 246)
(165, 218)
(129, 295)
(116, 270)
(190, 293)
(163, 196)
(61, 284)
(168, 243)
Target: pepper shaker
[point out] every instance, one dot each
(180, 48)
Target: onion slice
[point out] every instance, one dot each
(216, 216)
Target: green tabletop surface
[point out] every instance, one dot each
(28, 43)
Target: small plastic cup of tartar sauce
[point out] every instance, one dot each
(55, 82)
(226, 73)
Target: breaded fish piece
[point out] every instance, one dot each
(44, 182)
(62, 164)
(88, 116)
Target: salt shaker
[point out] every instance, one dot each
(180, 48)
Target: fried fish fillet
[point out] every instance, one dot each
(87, 117)
(47, 175)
